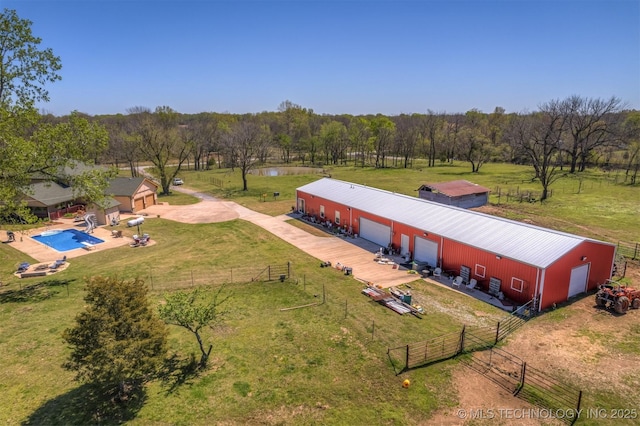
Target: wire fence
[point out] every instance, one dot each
(210, 179)
(470, 339)
(476, 348)
(189, 279)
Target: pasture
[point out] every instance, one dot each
(325, 364)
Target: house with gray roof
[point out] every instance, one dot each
(133, 193)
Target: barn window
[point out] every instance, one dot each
(337, 217)
(322, 212)
(517, 284)
(480, 271)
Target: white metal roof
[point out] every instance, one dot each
(529, 244)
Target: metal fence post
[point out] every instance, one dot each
(461, 348)
(497, 333)
(406, 358)
(522, 378)
(579, 401)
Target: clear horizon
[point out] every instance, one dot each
(336, 57)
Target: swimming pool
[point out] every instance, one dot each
(65, 240)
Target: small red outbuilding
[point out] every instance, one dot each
(519, 260)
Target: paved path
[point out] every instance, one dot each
(357, 254)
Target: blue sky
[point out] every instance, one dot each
(355, 57)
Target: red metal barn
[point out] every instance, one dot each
(520, 260)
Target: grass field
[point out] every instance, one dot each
(325, 364)
(321, 364)
(595, 204)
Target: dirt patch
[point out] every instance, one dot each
(482, 402)
(590, 348)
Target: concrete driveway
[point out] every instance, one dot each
(355, 253)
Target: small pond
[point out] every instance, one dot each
(284, 171)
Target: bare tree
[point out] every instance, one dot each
(160, 143)
(123, 144)
(432, 125)
(452, 127)
(539, 136)
(360, 135)
(631, 136)
(200, 131)
(475, 142)
(590, 124)
(383, 131)
(407, 136)
(246, 141)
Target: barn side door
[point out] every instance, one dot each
(578, 280)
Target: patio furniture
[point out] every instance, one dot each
(58, 263)
(457, 282)
(472, 284)
(33, 274)
(88, 246)
(23, 267)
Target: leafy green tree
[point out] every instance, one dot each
(194, 310)
(24, 66)
(118, 342)
(335, 138)
(29, 145)
(293, 128)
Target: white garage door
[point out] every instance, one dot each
(426, 251)
(578, 282)
(375, 232)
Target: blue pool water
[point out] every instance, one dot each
(65, 240)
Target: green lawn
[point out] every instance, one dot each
(593, 203)
(325, 364)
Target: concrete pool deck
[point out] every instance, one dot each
(43, 253)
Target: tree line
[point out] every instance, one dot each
(561, 136)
